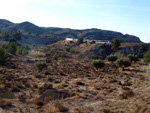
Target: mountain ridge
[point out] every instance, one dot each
(56, 33)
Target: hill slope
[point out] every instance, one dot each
(54, 33)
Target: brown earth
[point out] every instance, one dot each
(71, 84)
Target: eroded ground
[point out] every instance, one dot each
(73, 85)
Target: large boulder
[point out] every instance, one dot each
(53, 94)
(50, 93)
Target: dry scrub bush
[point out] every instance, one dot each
(36, 53)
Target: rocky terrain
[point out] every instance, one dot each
(70, 84)
(35, 35)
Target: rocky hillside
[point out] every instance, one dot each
(51, 33)
(69, 84)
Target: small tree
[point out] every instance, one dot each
(112, 58)
(12, 48)
(133, 57)
(97, 63)
(3, 57)
(79, 41)
(115, 43)
(102, 52)
(147, 56)
(123, 62)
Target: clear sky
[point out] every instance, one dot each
(126, 16)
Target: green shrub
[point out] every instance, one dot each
(56, 56)
(112, 58)
(115, 43)
(12, 48)
(147, 56)
(22, 50)
(97, 63)
(123, 62)
(3, 57)
(133, 57)
(40, 65)
(102, 52)
(79, 41)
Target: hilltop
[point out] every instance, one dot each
(33, 34)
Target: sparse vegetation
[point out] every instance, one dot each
(147, 56)
(12, 48)
(112, 58)
(123, 62)
(73, 80)
(40, 65)
(22, 50)
(3, 57)
(97, 63)
(79, 41)
(133, 57)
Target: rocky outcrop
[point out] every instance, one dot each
(137, 49)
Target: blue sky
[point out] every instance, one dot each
(126, 16)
